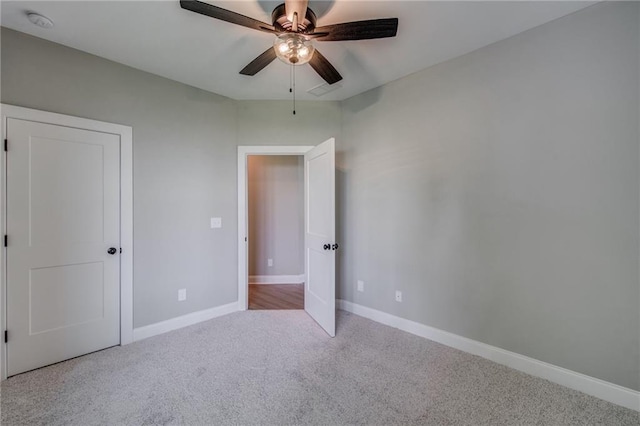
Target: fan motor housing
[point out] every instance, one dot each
(281, 23)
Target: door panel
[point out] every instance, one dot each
(320, 289)
(55, 167)
(319, 271)
(63, 213)
(54, 293)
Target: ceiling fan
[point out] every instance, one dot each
(294, 25)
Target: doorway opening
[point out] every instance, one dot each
(319, 227)
(275, 207)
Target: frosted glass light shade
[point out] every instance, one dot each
(293, 49)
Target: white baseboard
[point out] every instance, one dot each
(183, 321)
(611, 392)
(276, 279)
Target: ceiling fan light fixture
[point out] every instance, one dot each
(293, 49)
(293, 43)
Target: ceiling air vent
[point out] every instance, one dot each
(324, 88)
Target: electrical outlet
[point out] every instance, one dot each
(182, 294)
(269, 262)
(216, 222)
(398, 296)
(360, 285)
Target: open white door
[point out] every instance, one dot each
(320, 231)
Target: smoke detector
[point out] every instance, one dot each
(40, 20)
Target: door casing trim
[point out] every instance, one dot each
(126, 212)
(243, 152)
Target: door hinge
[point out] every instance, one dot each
(6, 240)
(6, 145)
(6, 336)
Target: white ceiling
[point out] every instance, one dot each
(163, 39)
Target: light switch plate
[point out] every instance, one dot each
(360, 285)
(182, 294)
(216, 222)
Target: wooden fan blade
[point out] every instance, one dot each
(324, 68)
(260, 62)
(360, 30)
(315, 36)
(225, 15)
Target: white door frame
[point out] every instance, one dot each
(243, 234)
(126, 212)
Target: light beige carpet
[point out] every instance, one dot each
(279, 367)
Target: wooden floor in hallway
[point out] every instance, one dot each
(276, 296)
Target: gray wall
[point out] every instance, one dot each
(272, 123)
(276, 214)
(499, 191)
(185, 154)
(183, 168)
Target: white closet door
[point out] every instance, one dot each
(63, 217)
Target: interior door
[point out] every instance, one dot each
(63, 227)
(320, 232)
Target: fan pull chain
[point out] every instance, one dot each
(292, 86)
(291, 79)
